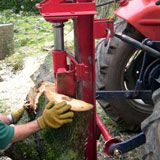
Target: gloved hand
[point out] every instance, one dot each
(17, 115)
(55, 115)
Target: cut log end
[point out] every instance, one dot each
(76, 105)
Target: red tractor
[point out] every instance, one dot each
(127, 63)
(123, 65)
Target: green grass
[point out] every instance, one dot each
(29, 30)
(32, 33)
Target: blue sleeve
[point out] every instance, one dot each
(6, 135)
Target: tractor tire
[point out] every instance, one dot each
(112, 74)
(151, 128)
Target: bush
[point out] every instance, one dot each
(20, 5)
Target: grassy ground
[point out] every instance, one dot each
(33, 36)
(31, 33)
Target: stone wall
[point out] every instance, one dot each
(6, 40)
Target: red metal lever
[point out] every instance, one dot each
(106, 134)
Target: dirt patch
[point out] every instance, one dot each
(14, 87)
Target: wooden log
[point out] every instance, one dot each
(65, 143)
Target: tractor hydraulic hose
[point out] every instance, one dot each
(138, 45)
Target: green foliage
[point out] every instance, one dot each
(33, 36)
(6, 4)
(20, 5)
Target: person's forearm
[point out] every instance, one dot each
(25, 130)
(5, 119)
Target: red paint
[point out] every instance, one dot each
(106, 135)
(143, 15)
(65, 75)
(85, 49)
(51, 9)
(123, 2)
(81, 71)
(100, 26)
(63, 78)
(59, 59)
(102, 128)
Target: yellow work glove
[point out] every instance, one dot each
(17, 115)
(55, 115)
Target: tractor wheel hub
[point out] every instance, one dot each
(151, 77)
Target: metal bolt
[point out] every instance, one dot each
(117, 152)
(128, 95)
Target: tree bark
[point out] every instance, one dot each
(65, 143)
